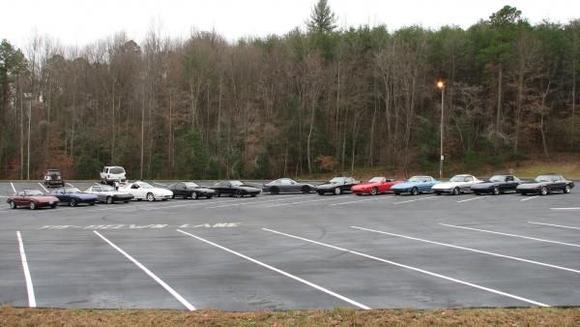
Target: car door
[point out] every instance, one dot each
(510, 184)
(19, 200)
(558, 184)
(467, 182)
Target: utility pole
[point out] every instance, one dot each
(28, 145)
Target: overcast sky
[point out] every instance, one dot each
(79, 22)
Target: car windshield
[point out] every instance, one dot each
(72, 190)
(546, 178)
(105, 188)
(117, 170)
(236, 183)
(33, 192)
(497, 178)
(337, 180)
(145, 185)
(376, 179)
(419, 179)
(458, 178)
(190, 185)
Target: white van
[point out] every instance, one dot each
(112, 174)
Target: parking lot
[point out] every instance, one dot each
(277, 252)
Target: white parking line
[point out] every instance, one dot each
(70, 185)
(512, 235)
(553, 225)
(168, 288)
(298, 202)
(29, 286)
(415, 200)
(530, 198)
(13, 188)
(470, 249)
(419, 270)
(267, 266)
(44, 188)
(470, 199)
(356, 201)
(565, 209)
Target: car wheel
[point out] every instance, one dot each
(338, 191)
(32, 206)
(195, 195)
(12, 205)
(543, 191)
(397, 193)
(476, 193)
(306, 189)
(274, 191)
(320, 192)
(109, 200)
(437, 193)
(53, 205)
(415, 191)
(91, 203)
(218, 194)
(456, 191)
(253, 195)
(150, 197)
(374, 191)
(73, 203)
(126, 201)
(567, 189)
(239, 194)
(495, 191)
(173, 196)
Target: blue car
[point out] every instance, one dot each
(415, 185)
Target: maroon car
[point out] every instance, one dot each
(32, 199)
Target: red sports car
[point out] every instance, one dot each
(376, 185)
(32, 199)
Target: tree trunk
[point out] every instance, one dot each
(499, 100)
(309, 139)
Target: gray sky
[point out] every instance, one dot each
(79, 22)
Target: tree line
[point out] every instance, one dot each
(316, 100)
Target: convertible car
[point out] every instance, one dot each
(546, 184)
(337, 185)
(415, 185)
(73, 196)
(145, 191)
(457, 184)
(190, 190)
(235, 188)
(496, 185)
(375, 185)
(107, 194)
(287, 185)
(32, 199)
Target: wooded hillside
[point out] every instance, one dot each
(317, 99)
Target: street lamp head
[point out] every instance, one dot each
(440, 85)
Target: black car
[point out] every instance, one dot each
(496, 185)
(287, 185)
(546, 184)
(337, 185)
(235, 188)
(190, 190)
(73, 196)
(53, 178)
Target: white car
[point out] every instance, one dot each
(145, 191)
(457, 184)
(107, 194)
(112, 174)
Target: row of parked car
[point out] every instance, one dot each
(139, 190)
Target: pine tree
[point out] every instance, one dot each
(322, 19)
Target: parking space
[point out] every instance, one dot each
(296, 251)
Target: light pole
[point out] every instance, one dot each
(441, 86)
(29, 97)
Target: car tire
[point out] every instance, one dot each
(32, 206)
(415, 191)
(306, 189)
(397, 193)
(150, 197)
(337, 191)
(195, 195)
(127, 201)
(12, 205)
(53, 205)
(218, 194)
(109, 200)
(253, 195)
(437, 193)
(374, 191)
(358, 194)
(320, 192)
(456, 191)
(274, 191)
(567, 189)
(544, 191)
(239, 194)
(477, 193)
(91, 203)
(496, 191)
(73, 203)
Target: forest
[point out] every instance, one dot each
(317, 99)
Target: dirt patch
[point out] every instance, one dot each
(338, 317)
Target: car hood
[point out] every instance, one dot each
(204, 189)
(329, 185)
(486, 184)
(249, 188)
(46, 198)
(84, 196)
(532, 185)
(448, 185)
(112, 193)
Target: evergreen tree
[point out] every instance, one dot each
(322, 19)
